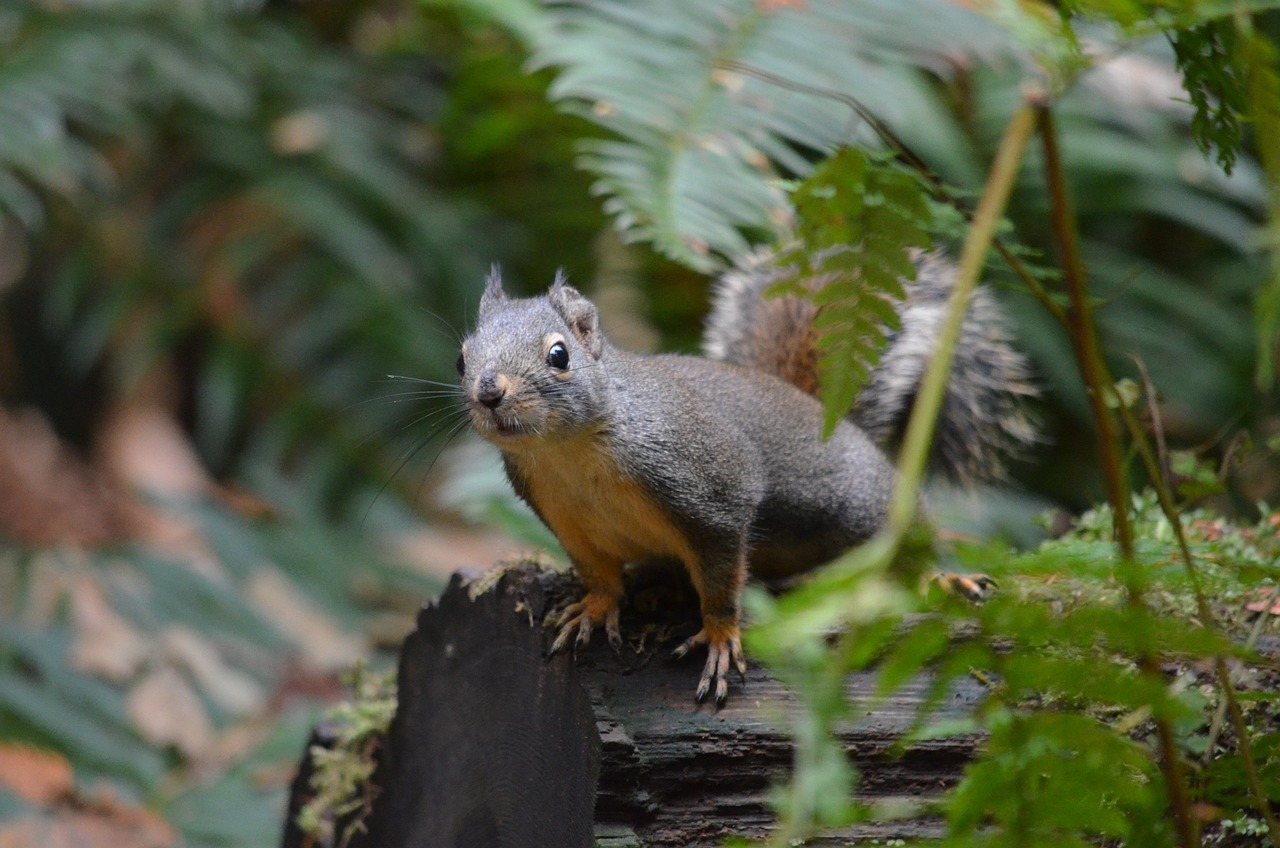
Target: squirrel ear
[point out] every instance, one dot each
(493, 294)
(579, 313)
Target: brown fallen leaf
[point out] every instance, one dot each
(145, 451)
(166, 711)
(230, 688)
(1266, 597)
(48, 494)
(37, 777)
(105, 644)
(143, 446)
(321, 644)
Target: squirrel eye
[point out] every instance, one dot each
(558, 356)
(462, 365)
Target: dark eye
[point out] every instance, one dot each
(462, 365)
(558, 356)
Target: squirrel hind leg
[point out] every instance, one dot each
(578, 621)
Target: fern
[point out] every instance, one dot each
(859, 218)
(701, 125)
(1208, 58)
(1230, 72)
(711, 102)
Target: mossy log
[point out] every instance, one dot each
(494, 744)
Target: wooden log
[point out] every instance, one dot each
(495, 745)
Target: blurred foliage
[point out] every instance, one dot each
(188, 689)
(244, 215)
(252, 203)
(289, 205)
(250, 212)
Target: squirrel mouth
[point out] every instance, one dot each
(493, 425)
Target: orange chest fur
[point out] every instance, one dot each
(600, 515)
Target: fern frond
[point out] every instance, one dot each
(1208, 58)
(860, 217)
(713, 101)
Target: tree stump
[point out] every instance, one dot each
(493, 744)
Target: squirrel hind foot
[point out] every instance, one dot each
(724, 647)
(578, 621)
(973, 587)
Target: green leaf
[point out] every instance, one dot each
(1209, 58)
(59, 721)
(911, 653)
(1226, 782)
(859, 218)
(1057, 779)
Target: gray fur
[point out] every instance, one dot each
(983, 418)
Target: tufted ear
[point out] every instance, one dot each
(579, 313)
(493, 296)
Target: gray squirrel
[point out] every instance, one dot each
(718, 461)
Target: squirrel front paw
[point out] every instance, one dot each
(582, 617)
(724, 645)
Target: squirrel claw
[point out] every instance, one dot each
(578, 621)
(572, 621)
(723, 650)
(971, 586)
(699, 638)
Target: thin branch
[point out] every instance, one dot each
(1093, 369)
(1164, 467)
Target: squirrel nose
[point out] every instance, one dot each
(490, 390)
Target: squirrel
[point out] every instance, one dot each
(718, 461)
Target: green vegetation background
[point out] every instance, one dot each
(226, 224)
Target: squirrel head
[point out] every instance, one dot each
(530, 370)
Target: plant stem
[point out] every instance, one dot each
(1098, 381)
(1084, 335)
(924, 415)
(1232, 702)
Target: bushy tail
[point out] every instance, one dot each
(983, 420)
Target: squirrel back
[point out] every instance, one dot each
(983, 419)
